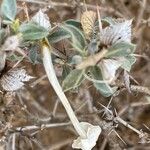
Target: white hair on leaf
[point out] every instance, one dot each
(118, 32)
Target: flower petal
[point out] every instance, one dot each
(88, 143)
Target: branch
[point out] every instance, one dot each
(43, 126)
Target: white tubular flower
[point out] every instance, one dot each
(88, 134)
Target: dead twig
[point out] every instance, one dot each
(140, 89)
(43, 126)
(120, 120)
(140, 15)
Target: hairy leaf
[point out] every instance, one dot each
(119, 32)
(73, 80)
(104, 88)
(58, 35)
(9, 9)
(127, 62)
(120, 49)
(77, 37)
(33, 31)
(73, 22)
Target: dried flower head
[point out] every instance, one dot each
(88, 19)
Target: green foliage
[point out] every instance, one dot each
(120, 49)
(77, 37)
(73, 31)
(74, 23)
(128, 62)
(73, 80)
(8, 10)
(58, 35)
(104, 88)
(33, 31)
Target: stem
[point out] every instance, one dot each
(128, 126)
(43, 126)
(47, 62)
(92, 60)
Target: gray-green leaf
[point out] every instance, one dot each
(127, 62)
(104, 88)
(120, 49)
(73, 80)
(77, 37)
(33, 31)
(9, 9)
(73, 22)
(58, 35)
